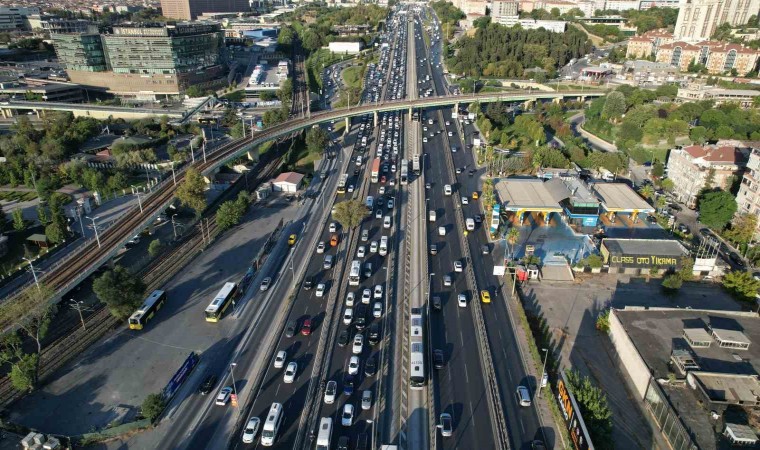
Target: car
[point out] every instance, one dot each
(379, 213)
(292, 240)
(485, 249)
(378, 292)
(358, 344)
(321, 247)
(478, 218)
(361, 251)
(390, 203)
(290, 372)
(447, 280)
(321, 290)
(462, 300)
(347, 416)
(251, 430)
(537, 445)
(343, 338)
(373, 247)
(651, 219)
(377, 310)
(465, 201)
(366, 400)
(370, 367)
(353, 365)
(457, 266)
(433, 249)
(438, 361)
(280, 358)
(208, 384)
(683, 228)
(544, 380)
(472, 172)
(445, 423)
(308, 283)
(437, 304)
(366, 296)
(523, 396)
(306, 327)
(265, 283)
(333, 227)
(343, 443)
(475, 195)
(350, 299)
(365, 235)
(290, 328)
(350, 188)
(485, 296)
(333, 240)
(428, 185)
(330, 390)
(223, 396)
(459, 169)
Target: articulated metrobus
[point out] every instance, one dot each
(354, 277)
(147, 310)
(342, 183)
(417, 350)
(215, 310)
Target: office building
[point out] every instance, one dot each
(504, 8)
(748, 198)
(146, 61)
(191, 9)
(57, 25)
(695, 92)
(698, 19)
(697, 167)
(15, 18)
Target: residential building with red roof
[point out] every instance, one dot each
(696, 167)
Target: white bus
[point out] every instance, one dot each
(354, 277)
(215, 310)
(271, 425)
(417, 350)
(325, 433)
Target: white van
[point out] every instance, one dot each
(383, 246)
(272, 425)
(469, 223)
(431, 215)
(325, 432)
(447, 189)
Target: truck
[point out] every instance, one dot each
(416, 164)
(375, 174)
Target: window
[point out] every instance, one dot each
(730, 60)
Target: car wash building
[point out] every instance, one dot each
(637, 256)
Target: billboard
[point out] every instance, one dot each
(181, 375)
(572, 415)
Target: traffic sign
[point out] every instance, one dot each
(233, 399)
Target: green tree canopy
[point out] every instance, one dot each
(350, 213)
(120, 290)
(716, 208)
(614, 106)
(153, 406)
(742, 285)
(594, 409)
(192, 191)
(317, 140)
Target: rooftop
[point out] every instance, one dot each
(653, 247)
(725, 154)
(289, 177)
(525, 194)
(619, 197)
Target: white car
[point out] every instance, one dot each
(373, 247)
(358, 345)
(366, 295)
(224, 396)
(279, 360)
(361, 251)
(321, 247)
(333, 227)
(347, 418)
(330, 391)
(377, 310)
(348, 316)
(465, 201)
(457, 266)
(379, 214)
(390, 203)
(462, 300)
(350, 188)
(387, 222)
(378, 294)
(350, 299)
(381, 191)
(251, 430)
(290, 372)
(366, 400)
(321, 290)
(353, 365)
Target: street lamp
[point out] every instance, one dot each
(95, 226)
(543, 370)
(78, 306)
(174, 227)
(34, 274)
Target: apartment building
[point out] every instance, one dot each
(718, 57)
(748, 198)
(647, 44)
(191, 9)
(696, 167)
(698, 19)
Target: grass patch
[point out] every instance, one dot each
(601, 129)
(642, 155)
(265, 147)
(339, 125)
(353, 76)
(235, 96)
(17, 196)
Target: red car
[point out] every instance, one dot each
(306, 327)
(382, 179)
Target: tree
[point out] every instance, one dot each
(658, 169)
(120, 290)
(592, 402)
(192, 191)
(228, 215)
(716, 208)
(698, 134)
(742, 228)
(22, 364)
(18, 220)
(667, 184)
(153, 406)
(350, 213)
(237, 130)
(155, 247)
(686, 272)
(741, 285)
(512, 236)
(614, 106)
(317, 140)
(647, 191)
(672, 283)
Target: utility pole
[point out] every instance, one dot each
(95, 226)
(78, 306)
(34, 274)
(174, 227)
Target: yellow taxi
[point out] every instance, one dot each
(485, 296)
(292, 240)
(475, 195)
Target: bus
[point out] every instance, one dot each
(375, 174)
(342, 183)
(222, 300)
(417, 350)
(404, 171)
(354, 277)
(147, 310)
(416, 169)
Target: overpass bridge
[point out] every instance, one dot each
(82, 262)
(13, 107)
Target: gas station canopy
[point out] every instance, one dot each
(526, 194)
(619, 197)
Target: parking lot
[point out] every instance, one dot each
(570, 311)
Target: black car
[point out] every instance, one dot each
(370, 367)
(651, 219)
(291, 328)
(438, 361)
(362, 442)
(343, 443)
(356, 172)
(485, 249)
(343, 338)
(374, 333)
(437, 302)
(472, 172)
(736, 259)
(308, 283)
(207, 385)
(348, 384)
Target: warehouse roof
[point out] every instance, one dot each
(526, 194)
(619, 197)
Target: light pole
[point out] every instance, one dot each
(234, 388)
(78, 306)
(543, 371)
(174, 227)
(79, 214)
(139, 200)
(174, 176)
(34, 274)
(95, 226)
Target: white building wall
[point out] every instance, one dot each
(633, 364)
(345, 47)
